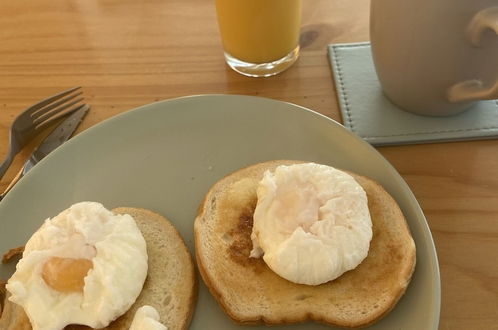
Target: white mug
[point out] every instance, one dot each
(435, 57)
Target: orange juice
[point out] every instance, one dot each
(259, 31)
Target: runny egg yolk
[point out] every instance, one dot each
(66, 274)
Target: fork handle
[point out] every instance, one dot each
(12, 183)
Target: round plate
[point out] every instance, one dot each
(166, 155)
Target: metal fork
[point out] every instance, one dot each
(34, 119)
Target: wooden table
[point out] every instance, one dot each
(129, 53)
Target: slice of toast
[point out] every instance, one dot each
(251, 293)
(170, 287)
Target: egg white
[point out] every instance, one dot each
(311, 223)
(147, 318)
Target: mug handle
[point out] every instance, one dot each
(472, 90)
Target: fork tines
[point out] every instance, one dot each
(56, 106)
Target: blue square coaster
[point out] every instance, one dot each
(368, 113)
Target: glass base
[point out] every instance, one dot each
(262, 69)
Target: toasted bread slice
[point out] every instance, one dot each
(251, 293)
(170, 287)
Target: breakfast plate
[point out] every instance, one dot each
(165, 156)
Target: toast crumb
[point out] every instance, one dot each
(12, 253)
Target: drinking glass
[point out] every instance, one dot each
(260, 37)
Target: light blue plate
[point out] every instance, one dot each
(165, 156)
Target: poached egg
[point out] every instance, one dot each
(85, 266)
(311, 223)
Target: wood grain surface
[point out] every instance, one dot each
(129, 53)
